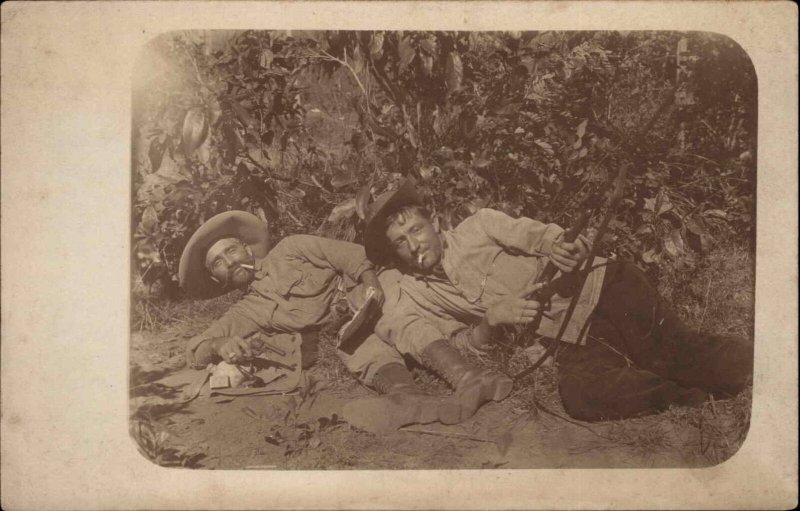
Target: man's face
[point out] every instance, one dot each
(415, 242)
(224, 261)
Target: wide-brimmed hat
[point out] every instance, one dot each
(192, 273)
(375, 213)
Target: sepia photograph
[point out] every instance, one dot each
(442, 249)
(398, 255)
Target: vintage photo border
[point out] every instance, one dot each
(66, 101)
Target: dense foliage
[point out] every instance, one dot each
(290, 125)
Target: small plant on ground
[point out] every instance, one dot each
(298, 435)
(153, 442)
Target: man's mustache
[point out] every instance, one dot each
(229, 273)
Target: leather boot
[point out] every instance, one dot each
(400, 404)
(473, 385)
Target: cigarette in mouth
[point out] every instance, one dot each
(419, 259)
(248, 266)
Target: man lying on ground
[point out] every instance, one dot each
(288, 289)
(624, 352)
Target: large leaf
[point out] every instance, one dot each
(426, 172)
(716, 213)
(427, 64)
(545, 146)
(358, 60)
(156, 153)
(376, 45)
(481, 163)
(454, 72)
(650, 256)
(363, 198)
(342, 178)
(405, 53)
(439, 125)
(663, 204)
(343, 210)
(266, 58)
(581, 128)
(195, 130)
(242, 114)
(428, 45)
(257, 155)
(659, 204)
(697, 235)
(267, 137)
(149, 219)
(673, 244)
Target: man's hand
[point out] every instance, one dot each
(233, 350)
(568, 256)
(514, 310)
(370, 280)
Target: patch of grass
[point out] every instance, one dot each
(645, 437)
(717, 430)
(185, 315)
(329, 366)
(718, 294)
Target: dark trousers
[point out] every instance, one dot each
(640, 358)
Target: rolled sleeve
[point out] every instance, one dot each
(522, 234)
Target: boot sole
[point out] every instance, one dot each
(502, 388)
(489, 387)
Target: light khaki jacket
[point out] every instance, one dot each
(489, 256)
(293, 289)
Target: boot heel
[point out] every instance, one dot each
(473, 385)
(502, 387)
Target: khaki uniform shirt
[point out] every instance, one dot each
(293, 289)
(489, 256)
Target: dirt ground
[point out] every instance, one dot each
(528, 429)
(303, 431)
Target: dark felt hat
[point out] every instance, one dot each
(376, 212)
(192, 273)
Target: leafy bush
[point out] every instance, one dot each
(289, 125)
